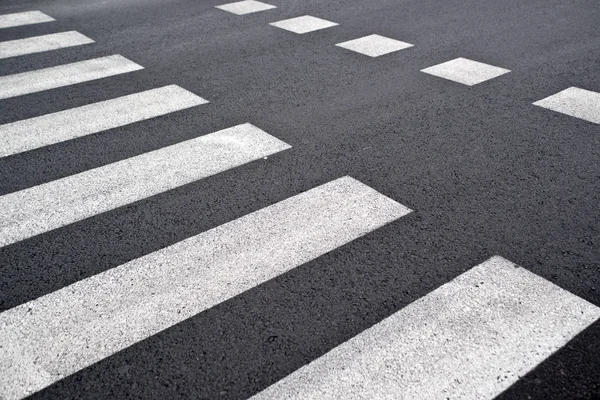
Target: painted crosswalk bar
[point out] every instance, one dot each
(57, 127)
(469, 339)
(41, 208)
(38, 44)
(23, 18)
(64, 75)
(61, 333)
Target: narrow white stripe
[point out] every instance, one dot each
(64, 75)
(54, 204)
(65, 331)
(23, 18)
(469, 339)
(53, 128)
(38, 44)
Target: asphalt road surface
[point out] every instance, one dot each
(214, 201)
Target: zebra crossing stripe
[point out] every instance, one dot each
(23, 18)
(57, 127)
(469, 339)
(58, 334)
(38, 44)
(41, 208)
(64, 75)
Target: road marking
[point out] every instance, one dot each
(576, 102)
(64, 75)
(303, 24)
(57, 127)
(374, 45)
(58, 334)
(469, 339)
(245, 7)
(24, 18)
(38, 44)
(465, 71)
(54, 204)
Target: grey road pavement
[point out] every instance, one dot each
(300, 199)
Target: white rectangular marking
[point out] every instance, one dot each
(245, 7)
(469, 339)
(23, 18)
(374, 45)
(61, 333)
(52, 205)
(576, 102)
(38, 44)
(465, 71)
(64, 75)
(303, 24)
(57, 127)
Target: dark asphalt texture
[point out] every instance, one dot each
(486, 172)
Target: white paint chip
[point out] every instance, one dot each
(33, 133)
(470, 339)
(41, 208)
(23, 18)
(56, 335)
(576, 102)
(303, 24)
(465, 71)
(245, 7)
(38, 44)
(374, 45)
(65, 75)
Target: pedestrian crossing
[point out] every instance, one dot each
(471, 338)
(65, 75)
(23, 18)
(39, 44)
(49, 206)
(101, 315)
(45, 130)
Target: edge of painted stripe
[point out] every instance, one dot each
(53, 128)
(63, 332)
(495, 320)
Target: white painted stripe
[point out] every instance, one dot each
(576, 102)
(58, 334)
(64, 75)
(38, 44)
(54, 128)
(470, 339)
(54, 204)
(23, 18)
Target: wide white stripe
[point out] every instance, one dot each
(64, 75)
(53, 128)
(38, 44)
(60, 333)
(469, 339)
(23, 18)
(54, 204)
